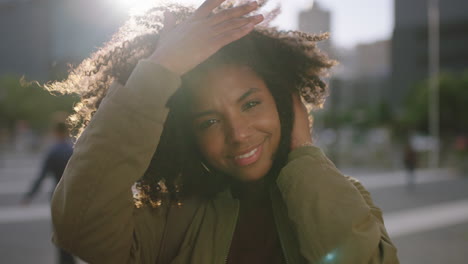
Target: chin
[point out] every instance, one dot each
(251, 176)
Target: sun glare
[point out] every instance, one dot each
(135, 7)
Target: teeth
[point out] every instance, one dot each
(247, 154)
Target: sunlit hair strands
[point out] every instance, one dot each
(286, 60)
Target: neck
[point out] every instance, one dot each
(251, 192)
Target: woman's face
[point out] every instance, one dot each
(236, 122)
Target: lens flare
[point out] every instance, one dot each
(135, 7)
(138, 7)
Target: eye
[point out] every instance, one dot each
(250, 104)
(207, 123)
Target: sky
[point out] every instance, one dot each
(360, 21)
(352, 21)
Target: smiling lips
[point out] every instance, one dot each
(249, 157)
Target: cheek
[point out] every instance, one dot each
(275, 127)
(269, 120)
(210, 146)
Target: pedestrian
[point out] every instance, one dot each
(410, 160)
(53, 166)
(205, 115)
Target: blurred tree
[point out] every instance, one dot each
(30, 102)
(453, 105)
(362, 117)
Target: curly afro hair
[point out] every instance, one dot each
(288, 61)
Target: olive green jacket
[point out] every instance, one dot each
(321, 216)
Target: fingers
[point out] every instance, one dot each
(169, 23)
(301, 132)
(234, 34)
(205, 9)
(235, 12)
(299, 107)
(236, 23)
(296, 99)
(300, 110)
(203, 34)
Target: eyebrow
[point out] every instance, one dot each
(240, 99)
(200, 114)
(247, 94)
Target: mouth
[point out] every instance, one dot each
(249, 156)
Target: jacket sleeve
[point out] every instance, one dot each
(334, 216)
(93, 212)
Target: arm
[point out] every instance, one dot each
(92, 207)
(334, 216)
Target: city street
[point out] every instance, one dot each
(379, 85)
(429, 225)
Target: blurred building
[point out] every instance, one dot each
(316, 20)
(410, 42)
(41, 37)
(362, 75)
(372, 72)
(25, 37)
(362, 78)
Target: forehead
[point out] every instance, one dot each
(226, 83)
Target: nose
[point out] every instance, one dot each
(237, 129)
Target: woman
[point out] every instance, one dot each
(228, 173)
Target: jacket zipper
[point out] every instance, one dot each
(285, 260)
(161, 247)
(232, 235)
(275, 215)
(282, 247)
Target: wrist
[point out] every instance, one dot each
(159, 59)
(311, 151)
(301, 143)
(306, 144)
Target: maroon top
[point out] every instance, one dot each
(255, 239)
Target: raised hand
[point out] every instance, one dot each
(301, 135)
(188, 44)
